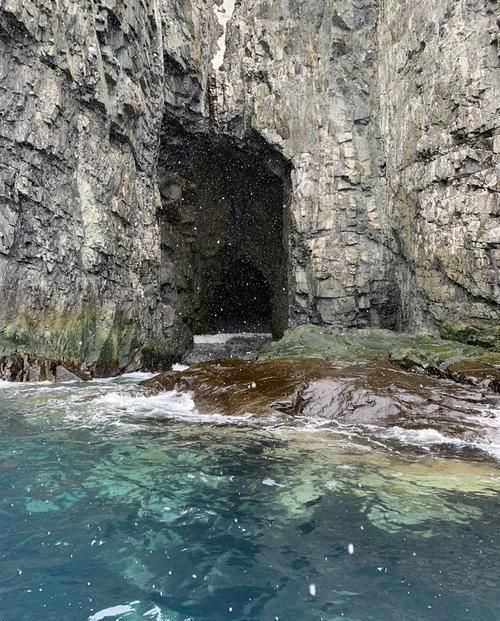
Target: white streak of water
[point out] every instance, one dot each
(114, 611)
(224, 337)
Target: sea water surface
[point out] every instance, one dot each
(117, 505)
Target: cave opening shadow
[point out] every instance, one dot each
(224, 226)
(241, 301)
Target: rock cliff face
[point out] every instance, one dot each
(83, 90)
(389, 113)
(346, 157)
(439, 81)
(305, 76)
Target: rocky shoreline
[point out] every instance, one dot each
(374, 378)
(426, 354)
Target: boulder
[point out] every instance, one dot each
(367, 393)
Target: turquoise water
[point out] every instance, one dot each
(115, 505)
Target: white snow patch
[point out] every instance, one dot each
(223, 14)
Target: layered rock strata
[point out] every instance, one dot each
(375, 121)
(83, 89)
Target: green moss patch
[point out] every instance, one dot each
(104, 340)
(447, 358)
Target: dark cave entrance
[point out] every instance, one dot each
(224, 230)
(241, 301)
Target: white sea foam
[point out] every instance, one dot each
(162, 404)
(6, 384)
(138, 376)
(419, 437)
(114, 611)
(155, 614)
(130, 409)
(490, 432)
(179, 367)
(485, 434)
(120, 403)
(127, 409)
(425, 439)
(271, 483)
(486, 429)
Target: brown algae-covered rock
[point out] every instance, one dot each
(368, 393)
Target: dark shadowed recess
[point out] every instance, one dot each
(224, 231)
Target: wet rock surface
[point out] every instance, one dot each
(370, 393)
(371, 378)
(226, 346)
(24, 368)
